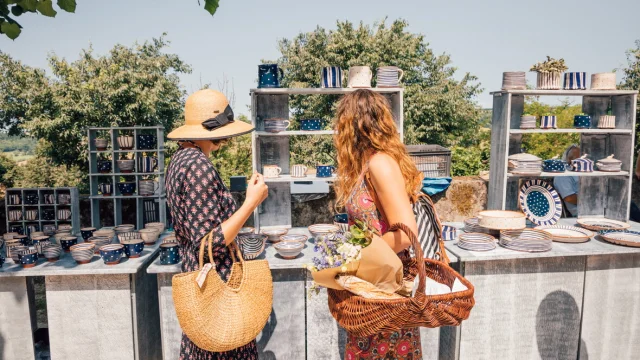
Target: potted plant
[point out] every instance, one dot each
(549, 73)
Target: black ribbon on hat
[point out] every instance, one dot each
(219, 121)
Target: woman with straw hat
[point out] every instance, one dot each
(200, 203)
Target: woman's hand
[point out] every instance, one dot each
(257, 190)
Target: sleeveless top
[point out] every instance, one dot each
(360, 205)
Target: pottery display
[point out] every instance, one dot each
(582, 164)
(64, 214)
(609, 164)
(322, 229)
(524, 164)
(289, 249)
(127, 188)
(125, 142)
(513, 80)
(147, 164)
(360, 77)
(575, 81)
(28, 258)
(40, 242)
(548, 81)
(607, 122)
(14, 215)
(133, 248)
(502, 220)
(49, 229)
(125, 165)
(99, 241)
(149, 236)
(147, 141)
(49, 199)
(66, 242)
(448, 233)
(389, 77)
(276, 125)
(273, 235)
(298, 171)
(14, 199)
(325, 170)
(548, 122)
(82, 253)
(582, 121)
(271, 171)
(48, 214)
(603, 81)
(51, 252)
(554, 165)
(156, 225)
(169, 254)
(106, 189)
(101, 144)
(251, 245)
(147, 187)
(112, 253)
(268, 76)
(311, 124)
(131, 235)
(104, 166)
(31, 214)
(31, 199)
(527, 122)
(331, 77)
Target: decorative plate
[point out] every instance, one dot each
(599, 224)
(622, 237)
(540, 202)
(567, 234)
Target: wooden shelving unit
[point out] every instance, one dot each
(74, 206)
(273, 148)
(149, 208)
(603, 194)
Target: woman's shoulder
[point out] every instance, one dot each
(381, 163)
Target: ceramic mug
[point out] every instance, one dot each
(389, 76)
(125, 142)
(582, 121)
(127, 188)
(87, 232)
(325, 170)
(48, 214)
(271, 171)
(31, 199)
(360, 77)
(147, 164)
(311, 124)
(268, 76)
(17, 229)
(105, 188)
(64, 199)
(448, 233)
(49, 199)
(169, 253)
(276, 125)
(31, 214)
(146, 141)
(64, 214)
(298, 171)
(104, 166)
(147, 187)
(15, 215)
(331, 77)
(49, 229)
(15, 199)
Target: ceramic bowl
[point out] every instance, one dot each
(24, 239)
(150, 236)
(125, 142)
(252, 245)
(105, 232)
(147, 141)
(9, 235)
(273, 235)
(124, 228)
(82, 253)
(125, 165)
(322, 229)
(104, 166)
(28, 258)
(65, 227)
(14, 252)
(67, 242)
(101, 144)
(294, 237)
(36, 233)
(289, 249)
(311, 124)
(169, 254)
(111, 253)
(155, 225)
(49, 229)
(87, 232)
(99, 241)
(246, 231)
(127, 188)
(52, 252)
(448, 233)
(133, 248)
(582, 121)
(49, 215)
(131, 235)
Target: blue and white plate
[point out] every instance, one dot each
(622, 237)
(540, 202)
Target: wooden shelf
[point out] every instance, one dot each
(100, 197)
(317, 91)
(566, 92)
(572, 173)
(571, 131)
(295, 133)
(289, 178)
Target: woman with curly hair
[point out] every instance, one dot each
(377, 183)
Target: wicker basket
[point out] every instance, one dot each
(431, 160)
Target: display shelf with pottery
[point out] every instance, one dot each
(42, 206)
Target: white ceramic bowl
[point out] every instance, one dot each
(273, 235)
(82, 253)
(150, 236)
(323, 229)
(289, 249)
(155, 225)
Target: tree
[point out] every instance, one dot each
(12, 29)
(631, 79)
(136, 85)
(7, 169)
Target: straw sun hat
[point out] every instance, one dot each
(208, 116)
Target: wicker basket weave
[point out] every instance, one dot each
(365, 317)
(223, 316)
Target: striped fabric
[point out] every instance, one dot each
(575, 81)
(429, 229)
(331, 77)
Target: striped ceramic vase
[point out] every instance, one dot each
(575, 81)
(331, 77)
(548, 122)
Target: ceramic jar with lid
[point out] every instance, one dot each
(582, 121)
(609, 164)
(554, 165)
(582, 164)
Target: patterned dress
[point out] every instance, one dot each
(199, 202)
(396, 345)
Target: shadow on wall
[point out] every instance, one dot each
(558, 328)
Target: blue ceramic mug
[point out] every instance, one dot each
(169, 253)
(325, 170)
(31, 199)
(104, 166)
(28, 258)
(341, 218)
(127, 188)
(268, 76)
(105, 188)
(146, 141)
(582, 121)
(332, 77)
(66, 244)
(48, 214)
(147, 164)
(87, 232)
(133, 248)
(311, 124)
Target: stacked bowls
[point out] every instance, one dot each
(82, 253)
(251, 245)
(124, 228)
(295, 237)
(105, 232)
(112, 253)
(527, 122)
(472, 225)
(150, 236)
(513, 80)
(527, 240)
(476, 242)
(525, 164)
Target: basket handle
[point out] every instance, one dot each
(422, 274)
(206, 239)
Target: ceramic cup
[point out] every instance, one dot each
(389, 76)
(271, 171)
(342, 221)
(16, 228)
(133, 248)
(87, 232)
(127, 188)
(31, 199)
(298, 171)
(49, 229)
(111, 253)
(64, 214)
(39, 242)
(64, 199)
(31, 214)
(49, 199)
(276, 125)
(147, 164)
(331, 77)
(105, 188)
(126, 165)
(325, 170)
(101, 144)
(169, 253)
(575, 81)
(360, 77)
(28, 258)
(48, 214)
(311, 124)
(146, 141)
(125, 142)
(66, 242)
(23, 239)
(147, 187)
(448, 233)
(14, 199)
(104, 166)
(268, 76)
(15, 215)
(582, 121)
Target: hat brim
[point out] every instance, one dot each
(197, 132)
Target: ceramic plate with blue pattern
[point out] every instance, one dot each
(540, 202)
(622, 237)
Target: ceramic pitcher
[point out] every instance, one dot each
(268, 76)
(271, 171)
(360, 77)
(298, 170)
(389, 76)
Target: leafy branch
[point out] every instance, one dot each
(551, 65)
(12, 8)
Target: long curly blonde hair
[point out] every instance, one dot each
(363, 127)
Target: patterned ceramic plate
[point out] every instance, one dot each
(622, 237)
(599, 224)
(567, 234)
(540, 202)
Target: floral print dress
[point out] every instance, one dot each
(199, 202)
(396, 345)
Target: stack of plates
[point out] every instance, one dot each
(525, 164)
(471, 226)
(527, 240)
(476, 242)
(527, 122)
(567, 234)
(513, 80)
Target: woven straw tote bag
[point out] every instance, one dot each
(365, 317)
(223, 316)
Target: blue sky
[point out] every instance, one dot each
(484, 38)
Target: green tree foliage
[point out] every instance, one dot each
(16, 143)
(631, 80)
(12, 9)
(136, 85)
(7, 171)
(470, 160)
(549, 145)
(438, 109)
(41, 172)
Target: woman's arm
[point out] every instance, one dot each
(389, 186)
(257, 191)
